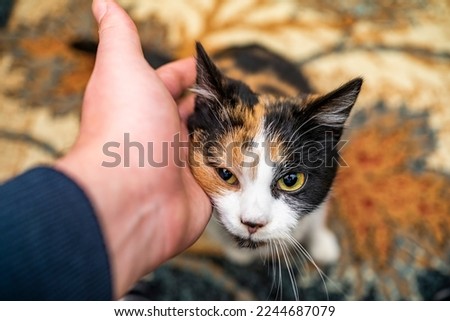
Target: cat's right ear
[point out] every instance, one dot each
(209, 81)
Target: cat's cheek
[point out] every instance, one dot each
(283, 220)
(228, 208)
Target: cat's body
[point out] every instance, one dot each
(264, 149)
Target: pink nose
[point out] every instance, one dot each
(252, 227)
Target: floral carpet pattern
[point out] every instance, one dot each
(391, 201)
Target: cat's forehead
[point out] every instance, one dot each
(253, 117)
(248, 128)
(253, 161)
(243, 147)
(237, 141)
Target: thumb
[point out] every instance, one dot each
(118, 35)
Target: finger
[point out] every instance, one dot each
(178, 76)
(186, 107)
(118, 36)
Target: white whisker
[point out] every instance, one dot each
(272, 256)
(285, 252)
(297, 245)
(280, 276)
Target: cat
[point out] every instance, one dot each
(264, 149)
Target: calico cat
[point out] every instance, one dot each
(264, 148)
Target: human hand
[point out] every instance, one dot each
(147, 214)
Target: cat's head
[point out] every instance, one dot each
(264, 161)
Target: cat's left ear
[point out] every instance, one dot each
(332, 109)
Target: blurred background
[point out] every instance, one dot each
(391, 204)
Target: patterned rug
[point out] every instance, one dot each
(391, 202)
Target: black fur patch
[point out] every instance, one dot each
(309, 133)
(254, 59)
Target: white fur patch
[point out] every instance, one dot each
(255, 203)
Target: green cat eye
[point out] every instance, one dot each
(227, 176)
(291, 182)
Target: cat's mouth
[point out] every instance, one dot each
(249, 243)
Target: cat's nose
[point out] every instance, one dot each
(252, 227)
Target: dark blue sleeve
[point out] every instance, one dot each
(51, 245)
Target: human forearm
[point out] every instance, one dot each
(51, 244)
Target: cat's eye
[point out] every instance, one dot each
(291, 182)
(227, 176)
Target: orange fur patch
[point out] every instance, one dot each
(232, 155)
(206, 175)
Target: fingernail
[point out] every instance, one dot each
(100, 7)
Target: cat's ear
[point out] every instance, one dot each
(209, 81)
(332, 109)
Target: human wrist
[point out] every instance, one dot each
(112, 208)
